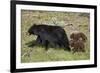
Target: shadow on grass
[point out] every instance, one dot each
(33, 43)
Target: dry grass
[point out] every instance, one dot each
(80, 22)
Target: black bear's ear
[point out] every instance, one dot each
(34, 24)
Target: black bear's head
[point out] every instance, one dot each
(33, 30)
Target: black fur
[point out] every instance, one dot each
(54, 35)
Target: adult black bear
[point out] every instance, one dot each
(47, 34)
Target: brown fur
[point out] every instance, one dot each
(78, 35)
(78, 46)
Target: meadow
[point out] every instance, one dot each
(29, 53)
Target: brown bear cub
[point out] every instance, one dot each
(78, 35)
(77, 46)
(77, 41)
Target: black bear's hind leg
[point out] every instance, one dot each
(59, 44)
(46, 45)
(67, 48)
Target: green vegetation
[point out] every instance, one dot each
(80, 22)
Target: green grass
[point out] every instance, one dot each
(38, 53)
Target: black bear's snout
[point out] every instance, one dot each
(30, 32)
(27, 33)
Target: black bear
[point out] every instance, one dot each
(47, 34)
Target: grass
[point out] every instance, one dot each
(37, 53)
